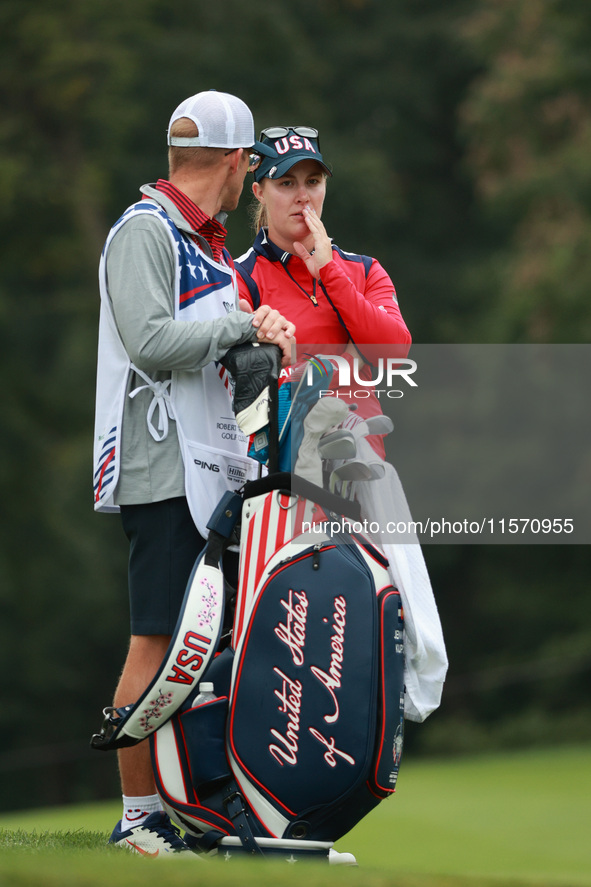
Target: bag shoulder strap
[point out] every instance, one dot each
(193, 644)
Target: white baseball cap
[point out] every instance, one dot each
(223, 121)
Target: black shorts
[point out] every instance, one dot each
(163, 546)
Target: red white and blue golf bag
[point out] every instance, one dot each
(303, 736)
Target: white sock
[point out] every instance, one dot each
(136, 810)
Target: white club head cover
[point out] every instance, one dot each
(359, 427)
(327, 412)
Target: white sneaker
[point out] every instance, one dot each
(336, 858)
(154, 837)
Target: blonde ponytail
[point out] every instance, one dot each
(258, 214)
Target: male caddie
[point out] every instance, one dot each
(166, 444)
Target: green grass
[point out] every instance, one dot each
(516, 819)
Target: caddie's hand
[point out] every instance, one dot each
(322, 254)
(273, 327)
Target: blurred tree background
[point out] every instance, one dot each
(460, 136)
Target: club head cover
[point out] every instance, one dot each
(252, 365)
(328, 411)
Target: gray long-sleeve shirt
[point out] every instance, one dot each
(140, 278)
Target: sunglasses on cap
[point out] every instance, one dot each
(279, 132)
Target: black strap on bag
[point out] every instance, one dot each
(234, 804)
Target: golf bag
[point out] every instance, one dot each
(303, 734)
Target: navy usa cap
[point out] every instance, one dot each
(280, 147)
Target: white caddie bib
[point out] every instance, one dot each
(213, 447)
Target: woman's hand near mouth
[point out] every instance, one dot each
(322, 250)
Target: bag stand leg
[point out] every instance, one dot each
(288, 849)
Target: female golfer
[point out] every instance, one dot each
(341, 301)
